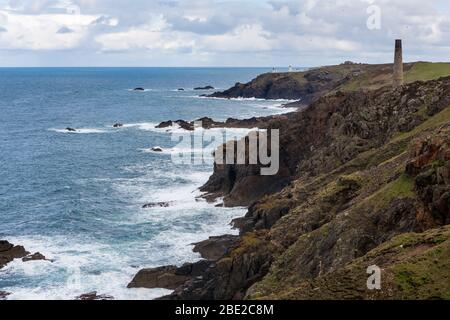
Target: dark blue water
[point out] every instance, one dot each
(77, 198)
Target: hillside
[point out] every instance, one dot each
(364, 180)
(310, 85)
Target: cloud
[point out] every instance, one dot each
(64, 30)
(208, 32)
(44, 31)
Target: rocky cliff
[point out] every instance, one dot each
(358, 170)
(310, 85)
(364, 180)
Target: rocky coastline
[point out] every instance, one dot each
(364, 180)
(361, 172)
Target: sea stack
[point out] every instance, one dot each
(398, 64)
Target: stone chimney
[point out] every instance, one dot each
(398, 64)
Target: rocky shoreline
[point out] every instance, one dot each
(364, 180)
(359, 172)
(10, 252)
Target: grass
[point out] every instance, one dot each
(403, 187)
(426, 276)
(425, 71)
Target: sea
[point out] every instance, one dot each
(78, 197)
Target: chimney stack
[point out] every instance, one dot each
(398, 64)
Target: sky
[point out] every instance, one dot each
(266, 33)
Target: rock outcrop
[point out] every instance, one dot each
(204, 88)
(156, 205)
(9, 252)
(94, 296)
(34, 257)
(189, 126)
(216, 248)
(168, 277)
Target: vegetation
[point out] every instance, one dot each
(425, 71)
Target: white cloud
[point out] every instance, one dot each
(40, 32)
(250, 32)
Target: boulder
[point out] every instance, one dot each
(156, 205)
(165, 124)
(208, 123)
(216, 248)
(34, 257)
(189, 126)
(205, 88)
(169, 277)
(163, 277)
(91, 296)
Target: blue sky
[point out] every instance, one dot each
(219, 33)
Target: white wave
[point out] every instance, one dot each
(79, 131)
(247, 99)
(151, 126)
(78, 268)
(145, 90)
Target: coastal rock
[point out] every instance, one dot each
(182, 123)
(224, 279)
(92, 296)
(34, 257)
(156, 205)
(118, 125)
(9, 252)
(165, 124)
(204, 88)
(169, 277)
(163, 277)
(189, 126)
(216, 248)
(4, 295)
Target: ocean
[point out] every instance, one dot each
(77, 197)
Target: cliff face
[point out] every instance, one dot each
(359, 169)
(330, 133)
